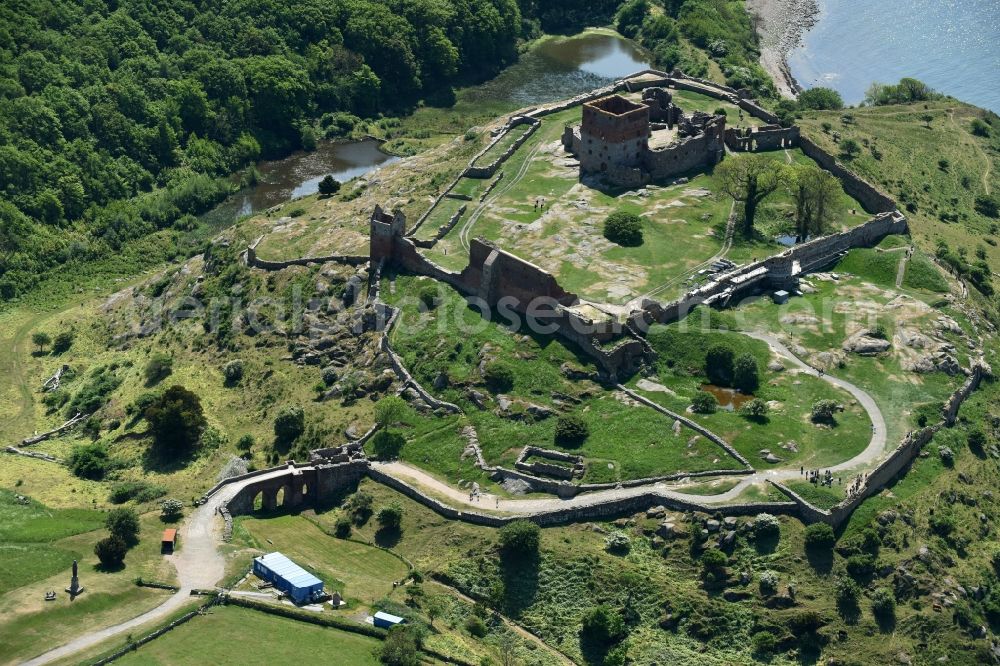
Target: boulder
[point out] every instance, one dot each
(713, 525)
(539, 412)
(656, 512)
(440, 381)
(863, 344)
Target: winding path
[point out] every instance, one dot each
(488, 502)
(200, 565)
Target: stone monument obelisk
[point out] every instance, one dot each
(74, 583)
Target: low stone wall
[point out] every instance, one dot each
(405, 378)
(256, 262)
(606, 510)
(698, 428)
(779, 270)
(474, 171)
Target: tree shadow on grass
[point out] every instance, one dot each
(107, 568)
(820, 559)
(158, 458)
(766, 544)
(520, 579)
(886, 623)
(388, 537)
(849, 611)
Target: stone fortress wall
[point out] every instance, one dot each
(493, 274)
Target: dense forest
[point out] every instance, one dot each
(120, 118)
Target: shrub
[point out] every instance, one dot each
(848, 593)
(719, 362)
(499, 376)
(390, 516)
(746, 376)
(979, 128)
(883, 604)
(233, 371)
(603, 625)
(976, 440)
(520, 537)
(245, 443)
(768, 582)
(849, 147)
(987, 205)
(820, 99)
(860, 566)
(289, 424)
(571, 430)
(124, 524)
(401, 647)
(878, 331)
(713, 559)
(755, 409)
(176, 418)
(763, 642)
(111, 551)
(390, 410)
(617, 542)
(90, 461)
(62, 342)
(766, 526)
(387, 444)
(475, 626)
(360, 506)
(329, 376)
(704, 403)
(820, 536)
(942, 524)
(329, 186)
(160, 365)
(823, 411)
(342, 528)
(623, 228)
(171, 509)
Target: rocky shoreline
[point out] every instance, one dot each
(780, 25)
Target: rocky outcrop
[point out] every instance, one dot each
(863, 343)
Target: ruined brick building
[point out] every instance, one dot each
(630, 144)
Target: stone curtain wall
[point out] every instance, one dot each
(776, 270)
(606, 510)
(871, 198)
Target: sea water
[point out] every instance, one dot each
(951, 45)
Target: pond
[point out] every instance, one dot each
(557, 68)
(299, 174)
(561, 67)
(729, 399)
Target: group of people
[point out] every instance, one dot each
(824, 478)
(540, 203)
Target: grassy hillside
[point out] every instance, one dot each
(939, 159)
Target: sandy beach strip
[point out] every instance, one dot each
(780, 25)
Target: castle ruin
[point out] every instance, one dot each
(630, 144)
